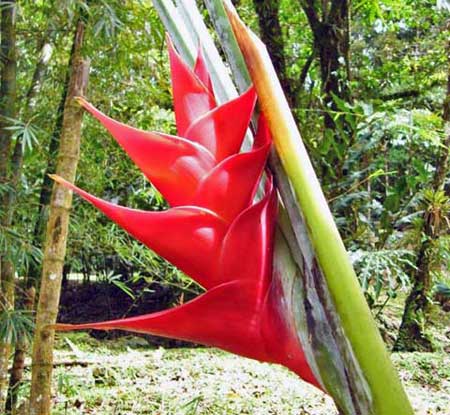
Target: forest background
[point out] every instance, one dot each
(368, 82)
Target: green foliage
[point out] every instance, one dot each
(383, 271)
(442, 268)
(15, 325)
(442, 289)
(18, 249)
(436, 205)
(26, 132)
(398, 71)
(423, 368)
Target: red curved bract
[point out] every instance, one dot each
(215, 231)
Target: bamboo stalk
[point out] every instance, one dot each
(386, 392)
(56, 235)
(8, 102)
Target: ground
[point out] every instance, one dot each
(126, 377)
(129, 375)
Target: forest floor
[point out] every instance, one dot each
(115, 374)
(125, 377)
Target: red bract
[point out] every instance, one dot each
(214, 231)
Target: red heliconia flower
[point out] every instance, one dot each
(214, 231)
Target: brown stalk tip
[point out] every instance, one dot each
(235, 20)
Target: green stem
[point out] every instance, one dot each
(229, 44)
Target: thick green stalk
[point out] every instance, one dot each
(387, 394)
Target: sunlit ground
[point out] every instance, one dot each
(124, 376)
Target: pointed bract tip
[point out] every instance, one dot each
(61, 181)
(87, 105)
(201, 69)
(244, 35)
(60, 327)
(81, 101)
(231, 12)
(170, 45)
(168, 39)
(56, 178)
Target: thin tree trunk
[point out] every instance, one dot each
(442, 163)
(34, 272)
(18, 153)
(19, 359)
(8, 80)
(411, 336)
(272, 36)
(7, 109)
(330, 25)
(55, 245)
(46, 188)
(16, 172)
(56, 238)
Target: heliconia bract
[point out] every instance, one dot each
(214, 231)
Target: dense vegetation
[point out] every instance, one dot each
(368, 82)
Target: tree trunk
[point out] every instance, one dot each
(56, 237)
(271, 34)
(7, 109)
(46, 188)
(16, 172)
(19, 359)
(330, 25)
(443, 159)
(18, 153)
(411, 335)
(8, 80)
